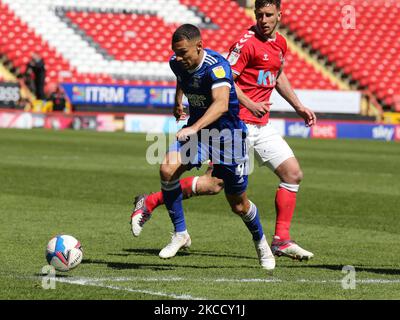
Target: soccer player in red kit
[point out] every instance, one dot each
(257, 61)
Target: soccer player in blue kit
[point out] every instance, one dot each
(205, 78)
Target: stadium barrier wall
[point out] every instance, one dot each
(322, 101)
(115, 95)
(343, 130)
(139, 123)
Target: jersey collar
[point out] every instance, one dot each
(201, 63)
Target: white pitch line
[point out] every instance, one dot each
(247, 280)
(360, 281)
(99, 282)
(220, 280)
(95, 283)
(123, 279)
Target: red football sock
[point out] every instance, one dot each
(186, 184)
(285, 203)
(156, 199)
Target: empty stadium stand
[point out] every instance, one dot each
(126, 43)
(364, 46)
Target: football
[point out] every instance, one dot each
(64, 252)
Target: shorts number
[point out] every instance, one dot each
(240, 169)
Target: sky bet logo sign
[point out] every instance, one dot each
(266, 78)
(324, 131)
(297, 129)
(383, 132)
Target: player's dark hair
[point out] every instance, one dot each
(262, 3)
(186, 32)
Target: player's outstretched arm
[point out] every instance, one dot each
(285, 90)
(218, 107)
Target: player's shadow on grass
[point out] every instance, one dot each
(125, 265)
(158, 267)
(191, 252)
(57, 275)
(378, 270)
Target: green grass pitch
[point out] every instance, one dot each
(83, 184)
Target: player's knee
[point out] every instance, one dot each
(238, 208)
(294, 176)
(166, 172)
(207, 185)
(217, 186)
(298, 176)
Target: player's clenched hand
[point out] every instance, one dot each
(178, 112)
(185, 133)
(259, 109)
(308, 115)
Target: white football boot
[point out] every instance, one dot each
(290, 249)
(140, 215)
(178, 240)
(265, 255)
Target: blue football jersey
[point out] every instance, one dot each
(229, 146)
(197, 85)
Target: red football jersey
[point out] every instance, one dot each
(257, 62)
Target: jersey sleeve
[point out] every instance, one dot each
(238, 57)
(172, 65)
(221, 75)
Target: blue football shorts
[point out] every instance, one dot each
(235, 176)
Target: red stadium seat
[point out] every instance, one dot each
(373, 45)
(145, 37)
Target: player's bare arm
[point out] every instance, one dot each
(219, 106)
(178, 110)
(256, 108)
(285, 89)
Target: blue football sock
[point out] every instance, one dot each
(253, 223)
(172, 193)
